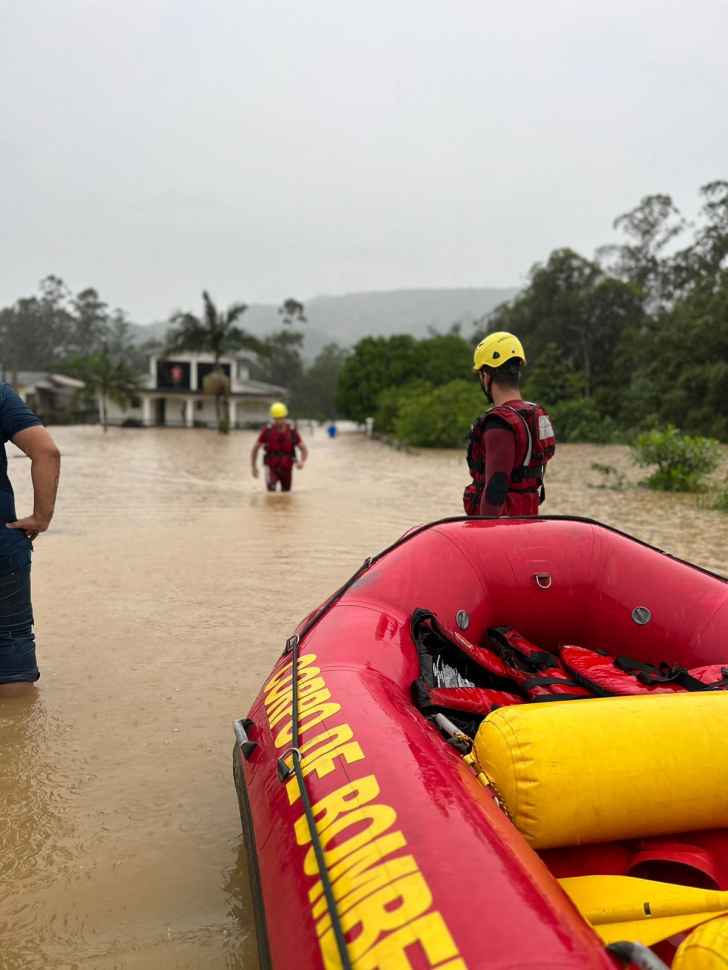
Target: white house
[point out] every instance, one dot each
(172, 395)
(53, 397)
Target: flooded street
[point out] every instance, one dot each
(163, 595)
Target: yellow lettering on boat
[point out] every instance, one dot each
(285, 687)
(379, 817)
(319, 760)
(429, 931)
(339, 802)
(316, 716)
(306, 660)
(304, 705)
(374, 915)
(285, 699)
(382, 901)
(355, 886)
(375, 850)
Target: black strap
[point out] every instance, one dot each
(530, 682)
(629, 666)
(543, 659)
(650, 676)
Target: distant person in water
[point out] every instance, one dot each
(18, 667)
(332, 429)
(509, 445)
(279, 440)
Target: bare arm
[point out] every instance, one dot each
(304, 454)
(45, 470)
(254, 458)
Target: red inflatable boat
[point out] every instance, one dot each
(372, 841)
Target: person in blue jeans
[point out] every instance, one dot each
(18, 667)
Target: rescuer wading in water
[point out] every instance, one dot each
(509, 445)
(280, 440)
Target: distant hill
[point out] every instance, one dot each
(346, 319)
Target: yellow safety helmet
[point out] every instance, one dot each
(278, 410)
(496, 349)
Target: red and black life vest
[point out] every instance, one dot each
(623, 676)
(280, 446)
(535, 444)
(536, 672)
(457, 678)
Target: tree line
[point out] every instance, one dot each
(80, 335)
(633, 339)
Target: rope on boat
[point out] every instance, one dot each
(283, 772)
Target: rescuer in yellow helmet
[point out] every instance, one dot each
(280, 440)
(509, 445)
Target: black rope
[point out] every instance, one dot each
(308, 811)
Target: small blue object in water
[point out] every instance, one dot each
(332, 429)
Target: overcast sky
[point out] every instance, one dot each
(263, 149)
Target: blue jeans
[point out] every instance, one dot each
(17, 642)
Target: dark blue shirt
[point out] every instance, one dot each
(15, 416)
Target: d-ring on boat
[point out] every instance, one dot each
(412, 797)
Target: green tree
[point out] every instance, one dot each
(590, 319)
(391, 400)
(376, 363)
(686, 354)
(380, 363)
(292, 311)
(650, 228)
(441, 416)
(35, 331)
(216, 333)
(121, 344)
(682, 463)
(279, 359)
(315, 390)
(91, 322)
(444, 358)
(553, 378)
(106, 380)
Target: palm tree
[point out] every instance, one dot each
(107, 380)
(215, 333)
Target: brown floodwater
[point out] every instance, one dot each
(163, 595)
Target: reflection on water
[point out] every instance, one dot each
(163, 596)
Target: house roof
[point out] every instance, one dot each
(158, 351)
(50, 380)
(260, 387)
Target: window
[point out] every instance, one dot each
(173, 374)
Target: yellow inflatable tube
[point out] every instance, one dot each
(603, 769)
(705, 949)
